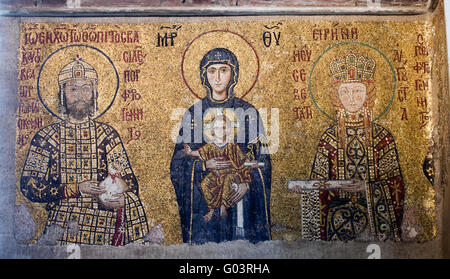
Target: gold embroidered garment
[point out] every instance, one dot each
(379, 209)
(61, 156)
(216, 187)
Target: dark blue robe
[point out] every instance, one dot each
(187, 172)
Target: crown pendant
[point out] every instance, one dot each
(351, 68)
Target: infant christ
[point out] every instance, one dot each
(219, 185)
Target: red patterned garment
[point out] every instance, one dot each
(378, 210)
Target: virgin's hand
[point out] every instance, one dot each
(187, 149)
(91, 187)
(217, 164)
(117, 201)
(239, 192)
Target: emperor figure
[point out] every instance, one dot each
(357, 188)
(71, 164)
(247, 211)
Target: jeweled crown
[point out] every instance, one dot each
(77, 69)
(352, 68)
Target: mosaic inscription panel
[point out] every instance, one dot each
(215, 131)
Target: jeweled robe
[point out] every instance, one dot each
(63, 155)
(378, 210)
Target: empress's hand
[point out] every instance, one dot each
(91, 187)
(239, 192)
(217, 163)
(117, 201)
(354, 186)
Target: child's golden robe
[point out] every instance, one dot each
(217, 185)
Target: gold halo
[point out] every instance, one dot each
(107, 83)
(320, 78)
(245, 53)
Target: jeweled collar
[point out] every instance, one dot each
(85, 124)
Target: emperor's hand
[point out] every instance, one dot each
(116, 201)
(91, 187)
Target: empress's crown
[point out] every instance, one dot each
(77, 69)
(350, 68)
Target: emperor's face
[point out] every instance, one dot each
(352, 96)
(219, 76)
(79, 98)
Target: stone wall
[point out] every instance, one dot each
(9, 43)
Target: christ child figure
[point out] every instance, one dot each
(219, 185)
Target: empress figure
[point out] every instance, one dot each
(360, 153)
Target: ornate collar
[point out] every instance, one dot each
(354, 119)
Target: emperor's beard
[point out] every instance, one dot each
(81, 113)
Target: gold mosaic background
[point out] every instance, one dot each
(163, 90)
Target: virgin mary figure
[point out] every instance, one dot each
(249, 216)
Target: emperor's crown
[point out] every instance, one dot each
(350, 68)
(77, 69)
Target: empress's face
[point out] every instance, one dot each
(79, 95)
(219, 76)
(352, 96)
